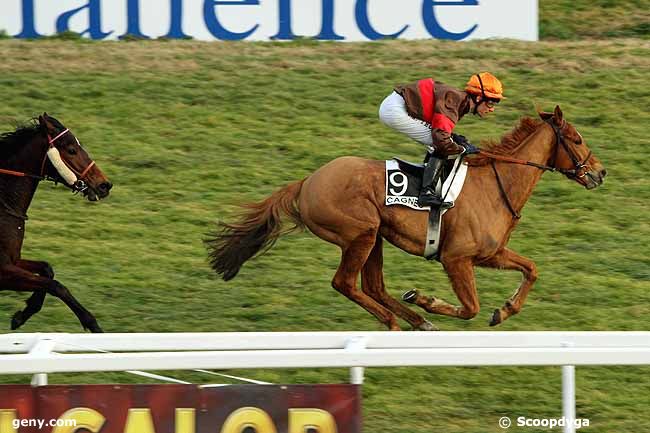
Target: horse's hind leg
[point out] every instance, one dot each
(34, 302)
(372, 284)
(461, 275)
(354, 257)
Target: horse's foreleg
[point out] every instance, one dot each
(508, 259)
(36, 267)
(15, 278)
(461, 274)
(372, 284)
(33, 306)
(345, 281)
(35, 302)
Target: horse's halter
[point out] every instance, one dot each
(74, 178)
(579, 168)
(579, 171)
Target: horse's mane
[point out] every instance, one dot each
(509, 142)
(9, 141)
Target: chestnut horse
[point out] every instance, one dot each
(43, 150)
(343, 203)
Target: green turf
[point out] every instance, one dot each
(187, 130)
(571, 19)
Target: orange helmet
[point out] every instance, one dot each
(486, 85)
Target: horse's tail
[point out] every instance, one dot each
(260, 225)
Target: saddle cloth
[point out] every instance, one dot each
(403, 184)
(404, 180)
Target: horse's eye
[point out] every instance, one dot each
(72, 151)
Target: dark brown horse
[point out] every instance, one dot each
(43, 150)
(343, 203)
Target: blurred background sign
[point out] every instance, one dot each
(345, 20)
(180, 409)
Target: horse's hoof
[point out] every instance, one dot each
(410, 296)
(427, 326)
(17, 320)
(496, 318)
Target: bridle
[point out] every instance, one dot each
(580, 168)
(78, 186)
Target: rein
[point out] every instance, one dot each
(20, 174)
(577, 172)
(504, 158)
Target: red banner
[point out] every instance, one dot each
(180, 409)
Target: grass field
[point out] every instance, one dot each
(598, 19)
(188, 130)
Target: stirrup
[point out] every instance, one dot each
(429, 198)
(436, 201)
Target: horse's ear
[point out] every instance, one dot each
(544, 115)
(45, 123)
(558, 115)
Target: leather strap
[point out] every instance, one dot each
(514, 213)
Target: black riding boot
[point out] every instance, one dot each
(432, 172)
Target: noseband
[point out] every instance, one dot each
(79, 185)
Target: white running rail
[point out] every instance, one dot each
(40, 354)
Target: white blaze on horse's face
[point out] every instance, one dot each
(56, 160)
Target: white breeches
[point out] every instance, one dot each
(392, 112)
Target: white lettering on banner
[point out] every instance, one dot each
(346, 20)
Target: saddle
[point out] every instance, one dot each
(403, 184)
(416, 169)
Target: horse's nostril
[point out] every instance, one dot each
(105, 186)
(603, 172)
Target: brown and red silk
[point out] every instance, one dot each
(80, 175)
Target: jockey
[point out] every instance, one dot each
(427, 111)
